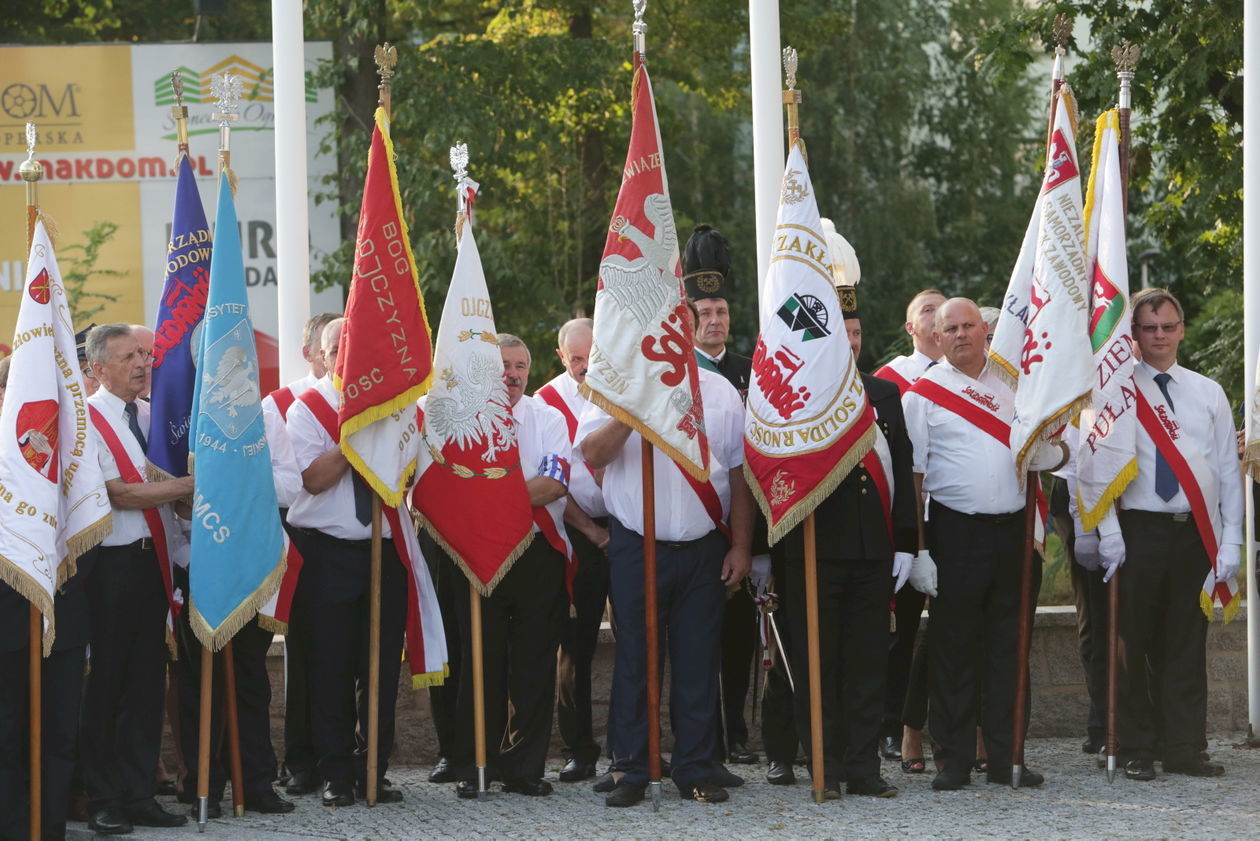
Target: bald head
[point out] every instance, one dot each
(574, 346)
(329, 340)
(920, 321)
(960, 332)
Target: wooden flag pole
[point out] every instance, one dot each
(817, 769)
(479, 689)
(652, 631)
(233, 731)
(203, 738)
(32, 171)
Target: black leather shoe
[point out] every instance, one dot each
(739, 754)
(302, 782)
(1142, 770)
(1195, 768)
(872, 787)
(667, 768)
(167, 788)
(951, 780)
(624, 794)
(704, 792)
(831, 789)
(149, 813)
(443, 772)
(529, 787)
(109, 821)
(384, 792)
(337, 794)
(467, 789)
(890, 748)
(214, 811)
(268, 803)
(1092, 745)
(575, 770)
(604, 783)
(780, 773)
(723, 778)
(1003, 776)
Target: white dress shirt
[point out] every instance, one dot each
(963, 467)
(332, 511)
(541, 431)
(911, 367)
(1207, 430)
(129, 526)
(680, 515)
(582, 488)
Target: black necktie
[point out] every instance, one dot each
(133, 423)
(362, 498)
(1166, 484)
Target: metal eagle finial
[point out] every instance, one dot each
(30, 141)
(1062, 29)
(1126, 57)
(789, 66)
(227, 88)
(177, 87)
(459, 161)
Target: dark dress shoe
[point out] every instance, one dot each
(149, 813)
(527, 786)
(302, 782)
(467, 789)
(575, 770)
(109, 821)
(443, 772)
(780, 773)
(951, 779)
(337, 794)
(1003, 776)
(167, 788)
(1195, 767)
(872, 787)
(723, 778)
(1142, 770)
(667, 768)
(739, 754)
(214, 811)
(384, 792)
(604, 783)
(704, 792)
(268, 803)
(624, 794)
(890, 748)
(1092, 745)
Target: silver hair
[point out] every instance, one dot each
(569, 326)
(313, 330)
(509, 340)
(97, 346)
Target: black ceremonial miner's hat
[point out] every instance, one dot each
(706, 264)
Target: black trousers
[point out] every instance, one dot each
(61, 687)
(253, 706)
(1163, 638)
(778, 715)
(444, 698)
(521, 623)
(908, 613)
(739, 647)
(972, 634)
(578, 640)
(299, 752)
(333, 611)
(853, 648)
(125, 696)
(690, 595)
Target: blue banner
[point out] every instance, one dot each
(175, 334)
(237, 542)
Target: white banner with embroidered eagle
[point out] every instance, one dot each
(53, 505)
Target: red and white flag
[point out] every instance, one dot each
(643, 369)
(808, 421)
(471, 493)
(53, 504)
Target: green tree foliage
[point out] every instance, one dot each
(78, 267)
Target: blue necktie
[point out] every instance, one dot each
(1166, 484)
(133, 423)
(362, 498)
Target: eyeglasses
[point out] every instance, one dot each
(1150, 329)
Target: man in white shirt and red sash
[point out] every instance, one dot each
(586, 521)
(1179, 520)
(129, 595)
(920, 322)
(958, 415)
(523, 618)
(696, 561)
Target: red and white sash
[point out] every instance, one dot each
(888, 372)
(878, 464)
(284, 398)
(982, 411)
(1197, 482)
(426, 641)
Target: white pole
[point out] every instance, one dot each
(293, 268)
(765, 64)
(1251, 316)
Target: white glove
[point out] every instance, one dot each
(923, 573)
(1111, 554)
(903, 563)
(759, 576)
(1228, 558)
(1049, 456)
(1087, 550)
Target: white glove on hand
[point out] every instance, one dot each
(1228, 557)
(1086, 547)
(759, 576)
(923, 573)
(1049, 456)
(1111, 554)
(903, 562)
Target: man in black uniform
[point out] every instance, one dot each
(707, 264)
(866, 533)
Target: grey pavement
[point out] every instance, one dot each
(1076, 802)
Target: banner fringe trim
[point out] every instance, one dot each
(484, 589)
(1092, 517)
(651, 436)
(215, 638)
(425, 680)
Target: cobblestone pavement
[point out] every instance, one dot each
(1076, 802)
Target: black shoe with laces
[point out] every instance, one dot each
(625, 794)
